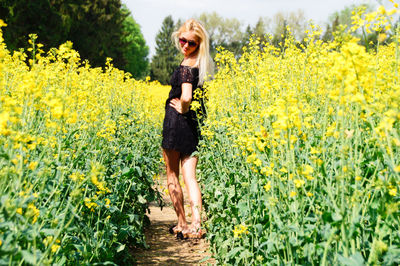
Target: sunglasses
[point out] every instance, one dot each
(183, 41)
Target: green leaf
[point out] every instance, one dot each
(355, 260)
(337, 217)
(138, 170)
(142, 200)
(126, 171)
(234, 251)
(48, 232)
(28, 257)
(120, 248)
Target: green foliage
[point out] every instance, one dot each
(97, 28)
(301, 196)
(223, 32)
(343, 16)
(76, 187)
(25, 17)
(137, 51)
(166, 58)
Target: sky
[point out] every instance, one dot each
(149, 14)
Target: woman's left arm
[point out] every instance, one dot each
(182, 105)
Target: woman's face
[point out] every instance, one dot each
(189, 42)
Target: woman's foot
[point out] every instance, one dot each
(193, 232)
(178, 229)
(175, 229)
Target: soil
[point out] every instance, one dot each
(165, 248)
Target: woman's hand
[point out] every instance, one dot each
(177, 105)
(181, 105)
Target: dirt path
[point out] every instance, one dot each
(165, 249)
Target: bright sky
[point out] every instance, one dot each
(149, 14)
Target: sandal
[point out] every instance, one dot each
(191, 234)
(174, 230)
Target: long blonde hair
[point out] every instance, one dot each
(204, 61)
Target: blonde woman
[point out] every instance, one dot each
(181, 128)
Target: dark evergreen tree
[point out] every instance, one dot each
(247, 35)
(328, 36)
(259, 30)
(279, 40)
(166, 57)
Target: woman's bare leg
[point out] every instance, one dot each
(189, 164)
(172, 159)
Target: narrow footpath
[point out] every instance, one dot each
(165, 248)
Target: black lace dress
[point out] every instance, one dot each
(181, 131)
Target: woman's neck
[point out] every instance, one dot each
(189, 60)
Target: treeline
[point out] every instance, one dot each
(97, 28)
(232, 34)
(106, 28)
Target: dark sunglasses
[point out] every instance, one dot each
(183, 41)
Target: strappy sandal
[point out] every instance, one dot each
(173, 230)
(191, 234)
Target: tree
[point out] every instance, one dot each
(97, 28)
(223, 32)
(25, 17)
(261, 28)
(295, 20)
(166, 57)
(343, 17)
(328, 35)
(137, 51)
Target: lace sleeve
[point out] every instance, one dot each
(189, 75)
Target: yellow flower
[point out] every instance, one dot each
(397, 169)
(251, 158)
(54, 248)
(382, 37)
(4, 118)
(293, 194)
(32, 165)
(283, 170)
(298, 182)
(107, 201)
(345, 168)
(267, 186)
(307, 169)
(2, 23)
(239, 230)
(309, 194)
(393, 192)
(91, 205)
(32, 212)
(19, 211)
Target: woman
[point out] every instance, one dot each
(181, 128)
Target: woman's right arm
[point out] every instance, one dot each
(181, 105)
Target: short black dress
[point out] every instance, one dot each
(181, 131)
